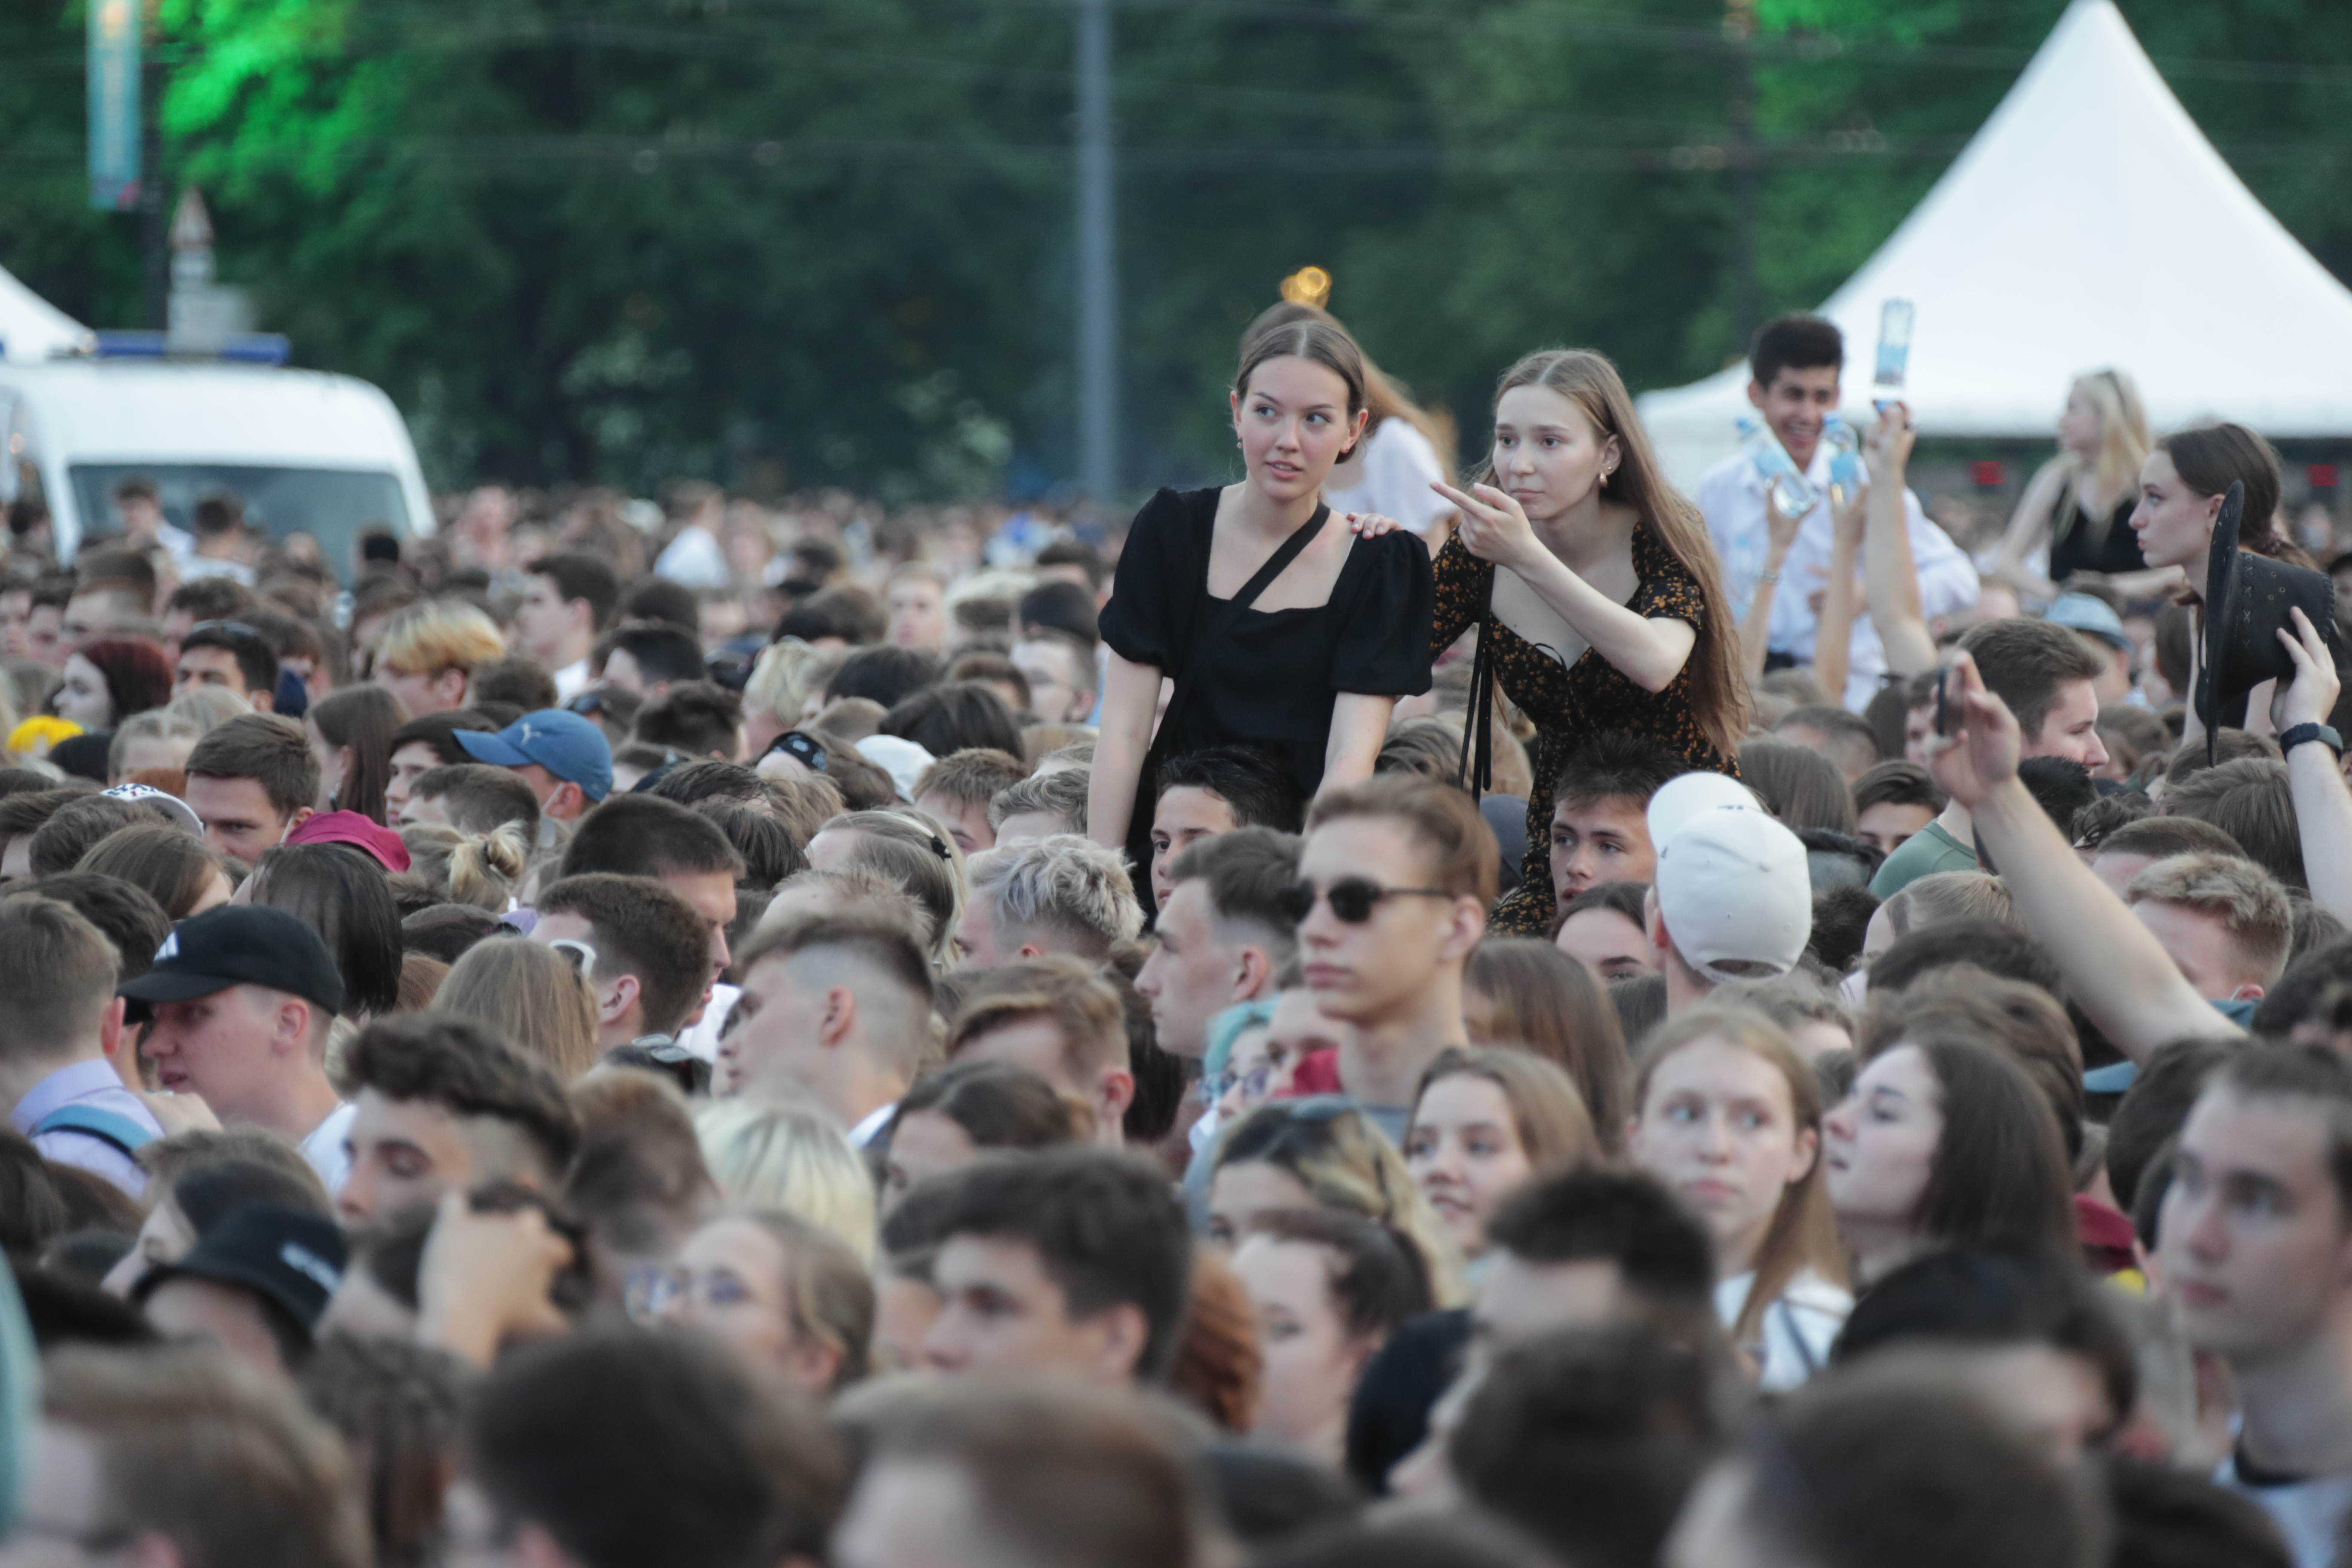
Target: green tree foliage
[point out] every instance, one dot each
(789, 243)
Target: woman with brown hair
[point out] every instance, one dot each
(186, 875)
(1518, 991)
(1484, 1121)
(1282, 630)
(1728, 1114)
(351, 731)
(533, 994)
(1595, 588)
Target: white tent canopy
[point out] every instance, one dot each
(2088, 223)
(30, 327)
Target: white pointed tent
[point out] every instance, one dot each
(2088, 223)
(30, 327)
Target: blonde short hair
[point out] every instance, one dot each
(788, 1154)
(438, 635)
(2251, 906)
(1068, 885)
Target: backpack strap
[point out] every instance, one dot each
(107, 1126)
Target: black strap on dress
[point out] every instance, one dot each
(1476, 769)
(1223, 612)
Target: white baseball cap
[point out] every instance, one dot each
(179, 810)
(904, 760)
(1685, 796)
(1733, 887)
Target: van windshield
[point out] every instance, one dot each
(334, 506)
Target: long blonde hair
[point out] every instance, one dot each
(1803, 1231)
(1718, 688)
(2112, 471)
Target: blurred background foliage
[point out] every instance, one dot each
(787, 244)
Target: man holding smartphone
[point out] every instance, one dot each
(2045, 673)
(1795, 364)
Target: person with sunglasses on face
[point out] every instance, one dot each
(1395, 878)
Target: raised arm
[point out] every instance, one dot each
(1756, 630)
(1649, 651)
(1131, 705)
(1833, 639)
(2111, 963)
(2028, 530)
(1891, 572)
(2323, 805)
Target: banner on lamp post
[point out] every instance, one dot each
(114, 104)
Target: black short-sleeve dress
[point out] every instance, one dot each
(1261, 678)
(1570, 703)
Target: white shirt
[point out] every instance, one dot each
(571, 681)
(325, 1147)
(694, 559)
(865, 1131)
(1398, 468)
(1796, 1331)
(2309, 1513)
(1732, 498)
(701, 1039)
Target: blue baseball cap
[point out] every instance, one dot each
(2092, 616)
(565, 744)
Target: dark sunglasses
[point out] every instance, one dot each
(807, 749)
(1352, 898)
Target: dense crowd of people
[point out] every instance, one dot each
(1382, 1017)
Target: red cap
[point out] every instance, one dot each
(350, 827)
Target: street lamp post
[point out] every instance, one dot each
(1098, 262)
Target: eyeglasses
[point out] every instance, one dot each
(578, 954)
(1251, 1083)
(1352, 898)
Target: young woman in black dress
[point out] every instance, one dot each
(1281, 629)
(1595, 588)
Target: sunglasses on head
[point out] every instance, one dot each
(1352, 898)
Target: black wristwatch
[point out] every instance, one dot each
(2322, 733)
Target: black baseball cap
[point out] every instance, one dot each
(245, 944)
(290, 1256)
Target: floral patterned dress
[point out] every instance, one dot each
(1569, 703)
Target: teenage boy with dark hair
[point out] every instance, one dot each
(229, 655)
(1598, 834)
(644, 836)
(441, 1102)
(568, 598)
(1395, 878)
(615, 1449)
(1892, 800)
(1205, 792)
(2254, 1252)
(249, 781)
(699, 718)
(423, 744)
(1078, 1261)
(1224, 934)
(205, 599)
(648, 660)
(2044, 673)
(652, 952)
(473, 797)
(60, 1023)
(958, 788)
(1586, 1247)
(1794, 364)
(1060, 670)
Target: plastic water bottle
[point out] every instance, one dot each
(1845, 459)
(1790, 491)
(1895, 319)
